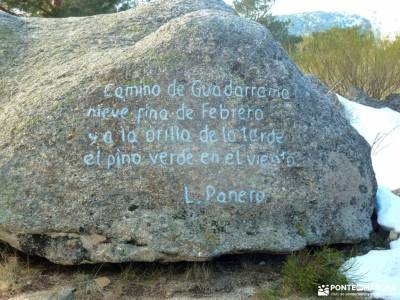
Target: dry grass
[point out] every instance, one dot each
(198, 272)
(85, 285)
(21, 274)
(16, 274)
(10, 270)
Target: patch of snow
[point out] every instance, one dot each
(388, 208)
(395, 245)
(381, 129)
(379, 271)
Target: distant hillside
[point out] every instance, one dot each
(307, 23)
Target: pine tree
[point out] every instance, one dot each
(259, 11)
(64, 8)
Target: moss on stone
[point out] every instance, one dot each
(300, 229)
(135, 28)
(211, 237)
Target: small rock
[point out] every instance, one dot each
(359, 96)
(393, 101)
(59, 293)
(4, 286)
(102, 282)
(393, 236)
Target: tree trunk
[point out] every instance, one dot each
(56, 3)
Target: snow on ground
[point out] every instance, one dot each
(388, 207)
(379, 270)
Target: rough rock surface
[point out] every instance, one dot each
(72, 189)
(317, 84)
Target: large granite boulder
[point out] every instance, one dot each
(175, 131)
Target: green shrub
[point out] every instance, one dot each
(344, 58)
(305, 270)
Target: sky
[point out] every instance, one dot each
(384, 13)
